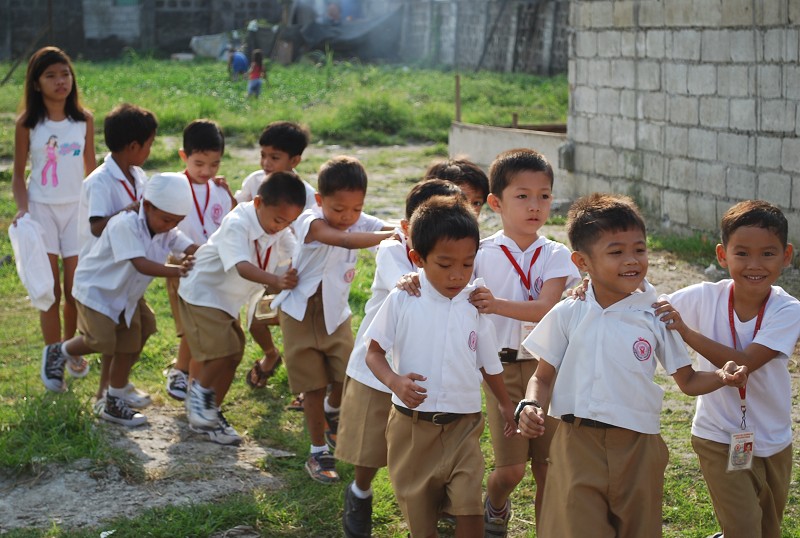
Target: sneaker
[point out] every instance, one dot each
(117, 410)
(52, 372)
(77, 367)
(177, 383)
(99, 405)
(222, 434)
(332, 421)
(136, 398)
(357, 517)
(322, 467)
(495, 526)
(200, 407)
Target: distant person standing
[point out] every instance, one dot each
(237, 64)
(257, 74)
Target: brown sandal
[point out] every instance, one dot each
(257, 378)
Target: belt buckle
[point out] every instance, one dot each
(435, 419)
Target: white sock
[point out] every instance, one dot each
(318, 449)
(361, 494)
(329, 408)
(116, 393)
(64, 350)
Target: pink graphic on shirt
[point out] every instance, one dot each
(642, 349)
(349, 275)
(216, 214)
(52, 161)
(473, 341)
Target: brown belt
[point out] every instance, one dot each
(569, 419)
(439, 419)
(508, 355)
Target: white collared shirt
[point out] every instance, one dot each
(704, 308)
(252, 182)
(391, 263)
(214, 281)
(105, 192)
(219, 204)
(318, 263)
(106, 280)
(445, 340)
(606, 359)
(502, 279)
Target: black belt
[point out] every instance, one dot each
(569, 419)
(508, 355)
(439, 419)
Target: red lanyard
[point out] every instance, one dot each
(526, 279)
(262, 265)
(130, 192)
(200, 214)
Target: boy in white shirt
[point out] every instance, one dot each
(109, 283)
(203, 147)
(441, 349)
(366, 402)
(607, 458)
(315, 316)
(527, 274)
(750, 320)
(238, 261)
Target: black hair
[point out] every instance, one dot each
(341, 173)
(756, 213)
(461, 172)
(514, 161)
(126, 124)
(283, 188)
(427, 188)
(285, 136)
(34, 109)
(203, 135)
(592, 215)
(442, 217)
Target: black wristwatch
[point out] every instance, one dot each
(522, 405)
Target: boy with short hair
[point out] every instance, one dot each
(748, 319)
(533, 274)
(109, 283)
(607, 458)
(441, 348)
(115, 186)
(467, 175)
(366, 401)
(238, 260)
(202, 151)
(315, 316)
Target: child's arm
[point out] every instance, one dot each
(753, 356)
(504, 403)
(89, 156)
(18, 187)
(321, 231)
(534, 310)
(151, 268)
(249, 271)
(404, 387)
(694, 383)
(540, 388)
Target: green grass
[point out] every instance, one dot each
(698, 249)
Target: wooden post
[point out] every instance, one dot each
(515, 120)
(458, 98)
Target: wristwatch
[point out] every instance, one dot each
(522, 405)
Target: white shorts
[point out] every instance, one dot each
(60, 225)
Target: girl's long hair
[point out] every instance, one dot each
(258, 58)
(33, 105)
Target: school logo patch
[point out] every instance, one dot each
(537, 285)
(216, 213)
(350, 275)
(642, 349)
(472, 342)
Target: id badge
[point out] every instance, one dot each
(740, 453)
(525, 329)
(264, 307)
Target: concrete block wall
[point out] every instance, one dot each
(688, 105)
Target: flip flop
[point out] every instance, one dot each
(77, 367)
(257, 378)
(297, 403)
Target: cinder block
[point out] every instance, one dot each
(791, 81)
(627, 103)
(775, 188)
(606, 162)
(602, 14)
(648, 75)
(674, 207)
(624, 14)
(608, 44)
(778, 115)
(745, 46)
(685, 45)
(578, 128)
(780, 45)
(706, 13)
(623, 133)
(676, 141)
(652, 106)
(654, 43)
(571, 73)
(682, 174)
(735, 80)
(584, 159)
(715, 46)
(796, 200)
(683, 110)
(723, 206)
(678, 13)
(769, 81)
(702, 213)
(771, 13)
(741, 183)
(650, 136)
(600, 130)
(599, 184)
(794, 12)
(584, 99)
(790, 155)
(743, 114)
(714, 112)
(675, 77)
(712, 177)
(585, 44)
(623, 73)
(703, 144)
(768, 152)
(599, 72)
(631, 165)
(627, 44)
(653, 168)
(737, 12)
(652, 14)
(649, 199)
(702, 79)
(608, 101)
(735, 149)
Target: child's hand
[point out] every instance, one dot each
(222, 182)
(409, 283)
(579, 291)
(19, 215)
(132, 207)
(186, 265)
(409, 392)
(510, 427)
(670, 316)
(733, 375)
(287, 280)
(482, 299)
(531, 422)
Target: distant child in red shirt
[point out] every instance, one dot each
(257, 75)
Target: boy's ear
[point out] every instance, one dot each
(257, 201)
(494, 202)
(404, 226)
(788, 254)
(721, 259)
(415, 257)
(581, 261)
(294, 161)
(318, 198)
(183, 155)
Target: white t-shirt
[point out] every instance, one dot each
(105, 192)
(445, 340)
(391, 263)
(318, 263)
(212, 203)
(606, 359)
(214, 281)
(106, 280)
(57, 170)
(502, 278)
(252, 182)
(704, 308)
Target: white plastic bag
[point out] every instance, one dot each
(33, 266)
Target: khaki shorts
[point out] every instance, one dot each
(736, 495)
(435, 469)
(109, 337)
(313, 358)
(210, 332)
(362, 425)
(603, 482)
(517, 449)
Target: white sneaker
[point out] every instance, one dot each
(223, 434)
(135, 398)
(177, 383)
(52, 371)
(201, 409)
(99, 405)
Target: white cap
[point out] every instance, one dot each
(170, 192)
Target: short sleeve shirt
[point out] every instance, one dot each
(252, 182)
(211, 204)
